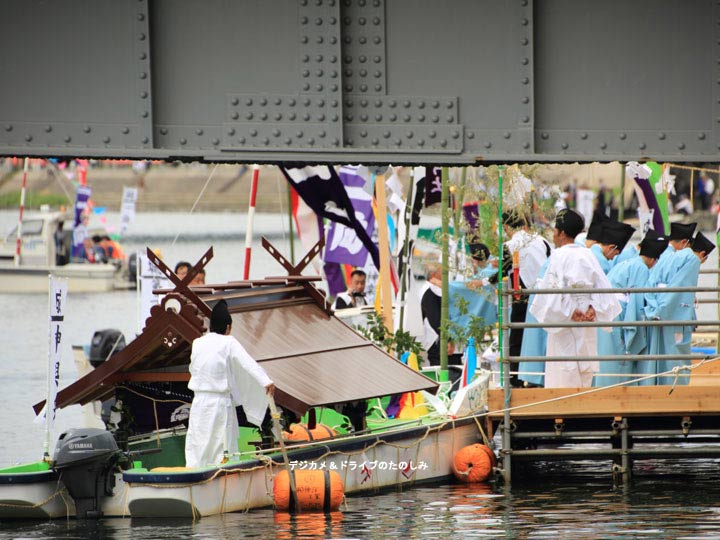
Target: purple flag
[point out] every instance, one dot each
(80, 231)
(335, 278)
(343, 244)
(433, 185)
(471, 211)
(324, 192)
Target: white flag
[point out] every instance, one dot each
(127, 210)
(58, 296)
(151, 277)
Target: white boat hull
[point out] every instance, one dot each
(82, 278)
(37, 500)
(382, 461)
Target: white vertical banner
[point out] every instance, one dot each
(58, 296)
(150, 277)
(127, 209)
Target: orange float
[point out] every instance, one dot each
(317, 491)
(300, 432)
(473, 463)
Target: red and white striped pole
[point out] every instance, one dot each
(18, 239)
(250, 217)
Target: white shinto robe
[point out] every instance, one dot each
(573, 266)
(222, 376)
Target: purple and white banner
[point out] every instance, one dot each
(82, 211)
(343, 243)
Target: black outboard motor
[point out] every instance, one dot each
(104, 341)
(85, 461)
(132, 268)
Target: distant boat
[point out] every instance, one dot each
(39, 259)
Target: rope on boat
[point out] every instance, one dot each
(202, 191)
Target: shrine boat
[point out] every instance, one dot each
(324, 372)
(29, 273)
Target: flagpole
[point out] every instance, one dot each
(406, 254)
(290, 221)
(250, 219)
(459, 198)
(445, 192)
(18, 239)
(500, 272)
(384, 245)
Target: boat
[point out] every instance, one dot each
(38, 259)
(324, 372)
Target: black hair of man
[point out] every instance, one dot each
(569, 222)
(358, 272)
(653, 245)
(479, 251)
(595, 228)
(220, 318)
(182, 264)
(514, 219)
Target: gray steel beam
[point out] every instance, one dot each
(373, 81)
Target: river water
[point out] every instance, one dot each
(666, 500)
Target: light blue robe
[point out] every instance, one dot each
(630, 252)
(633, 273)
(673, 269)
(480, 303)
(534, 344)
(606, 265)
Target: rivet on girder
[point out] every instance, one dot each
(333, 21)
(143, 95)
(443, 143)
(322, 134)
(583, 136)
(363, 133)
(488, 144)
(321, 117)
(623, 136)
(125, 130)
(701, 136)
(409, 134)
(263, 116)
(318, 21)
(319, 87)
(525, 119)
(234, 101)
(349, 142)
(28, 138)
(544, 135)
(432, 134)
(333, 74)
(363, 87)
(248, 101)
(278, 116)
(265, 141)
(376, 21)
(253, 132)
(241, 140)
(526, 100)
(471, 135)
(235, 115)
(183, 141)
(333, 40)
(524, 21)
(506, 135)
(304, 39)
(681, 146)
(106, 139)
(661, 136)
(348, 87)
(564, 146)
(87, 129)
(642, 146)
(319, 73)
(67, 138)
(335, 142)
(141, 17)
(398, 142)
(278, 101)
(231, 132)
(524, 41)
(376, 3)
(144, 140)
(363, 72)
(145, 114)
(163, 131)
(143, 56)
(361, 3)
(375, 142)
(378, 117)
(319, 40)
(377, 40)
(392, 103)
(287, 141)
(435, 119)
(421, 118)
(525, 61)
(526, 145)
(143, 75)
(291, 116)
(8, 127)
(320, 102)
(215, 142)
(450, 118)
(393, 117)
(363, 117)
(525, 80)
(306, 117)
(603, 145)
(300, 134)
(435, 104)
(142, 36)
(386, 134)
(303, 20)
(378, 87)
(306, 102)
(362, 21)
(48, 129)
(421, 142)
(348, 72)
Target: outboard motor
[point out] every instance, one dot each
(104, 341)
(85, 460)
(132, 268)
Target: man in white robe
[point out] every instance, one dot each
(222, 376)
(572, 266)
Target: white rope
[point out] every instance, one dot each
(198, 199)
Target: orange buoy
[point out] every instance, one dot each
(491, 454)
(317, 491)
(473, 463)
(300, 432)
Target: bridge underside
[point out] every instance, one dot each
(373, 81)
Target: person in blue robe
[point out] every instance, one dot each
(631, 273)
(678, 266)
(478, 292)
(629, 252)
(610, 241)
(534, 344)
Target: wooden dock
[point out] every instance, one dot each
(617, 424)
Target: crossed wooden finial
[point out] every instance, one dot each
(182, 285)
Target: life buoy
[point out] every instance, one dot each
(473, 463)
(300, 432)
(317, 491)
